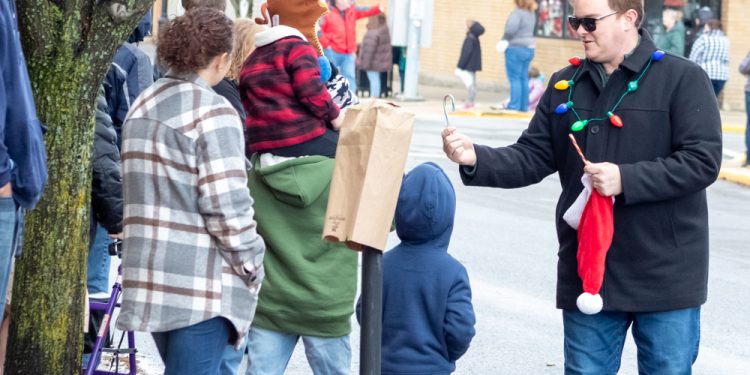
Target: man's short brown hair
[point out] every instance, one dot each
(624, 5)
(214, 4)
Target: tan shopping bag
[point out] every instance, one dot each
(370, 161)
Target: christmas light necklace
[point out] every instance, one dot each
(613, 118)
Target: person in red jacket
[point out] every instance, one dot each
(339, 36)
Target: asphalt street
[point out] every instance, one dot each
(507, 241)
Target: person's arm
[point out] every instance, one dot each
(145, 73)
(367, 51)
(512, 26)
(106, 182)
(459, 317)
(224, 199)
(526, 162)
(312, 93)
(324, 36)
(465, 53)
(5, 169)
(696, 140)
(27, 151)
(665, 42)
(696, 53)
(745, 65)
(364, 12)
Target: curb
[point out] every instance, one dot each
(736, 175)
(735, 129)
(510, 114)
(494, 114)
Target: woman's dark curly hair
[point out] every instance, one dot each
(191, 41)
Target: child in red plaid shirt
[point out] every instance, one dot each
(287, 103)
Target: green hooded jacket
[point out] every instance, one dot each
(673, 41)
(310, 284)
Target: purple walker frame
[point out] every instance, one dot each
(96, 353)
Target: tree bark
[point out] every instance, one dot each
(69, 45)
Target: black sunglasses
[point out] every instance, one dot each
(589, 24)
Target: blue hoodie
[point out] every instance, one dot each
(22, 155)
(428, 318)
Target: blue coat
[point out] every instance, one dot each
(22, 156)
(130, 73)
(428, 318)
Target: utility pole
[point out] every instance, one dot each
(416, 16)
(372, 311)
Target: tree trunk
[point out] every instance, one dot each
(69, 45)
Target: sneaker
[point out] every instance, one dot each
(468, 105)
(498, 106)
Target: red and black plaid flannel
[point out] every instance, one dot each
(285, 99)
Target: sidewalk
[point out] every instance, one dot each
(733, 122)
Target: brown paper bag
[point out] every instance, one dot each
(370, 161)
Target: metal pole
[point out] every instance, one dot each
(372, 311)
(412, 61)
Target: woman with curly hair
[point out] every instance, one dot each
(193, 260)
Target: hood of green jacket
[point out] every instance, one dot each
(298, 182)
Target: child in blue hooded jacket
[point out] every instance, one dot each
(428, 318)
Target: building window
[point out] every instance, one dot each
(552, 19)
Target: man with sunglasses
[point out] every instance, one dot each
(649, 126)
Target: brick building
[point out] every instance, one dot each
(553, 47)
(554, 44)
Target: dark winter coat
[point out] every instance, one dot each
(230, 91)
(471, 51)
(428, 317)
(130, 73)
(106, 182)
(375, 52)
(668, 152)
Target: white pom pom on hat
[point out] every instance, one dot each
(589, 304)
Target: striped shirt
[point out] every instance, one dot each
(191, 250)
(711, 52)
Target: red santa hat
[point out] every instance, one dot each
(593, 216)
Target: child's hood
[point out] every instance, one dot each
(426, 207)
(273, 34)
(476, 29)
(296, 181)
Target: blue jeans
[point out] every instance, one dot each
(269, 353)
(98, 262)
(747, 128)
(194, 350)
(718, 85)
(231, 359)
(374, 78)
(345, 62)
(8, 230)
(517, 61)
(667, 341)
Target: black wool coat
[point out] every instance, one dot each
(668, 151)
(471, 51)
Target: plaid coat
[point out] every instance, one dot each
(191, 250)
(711, 52)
